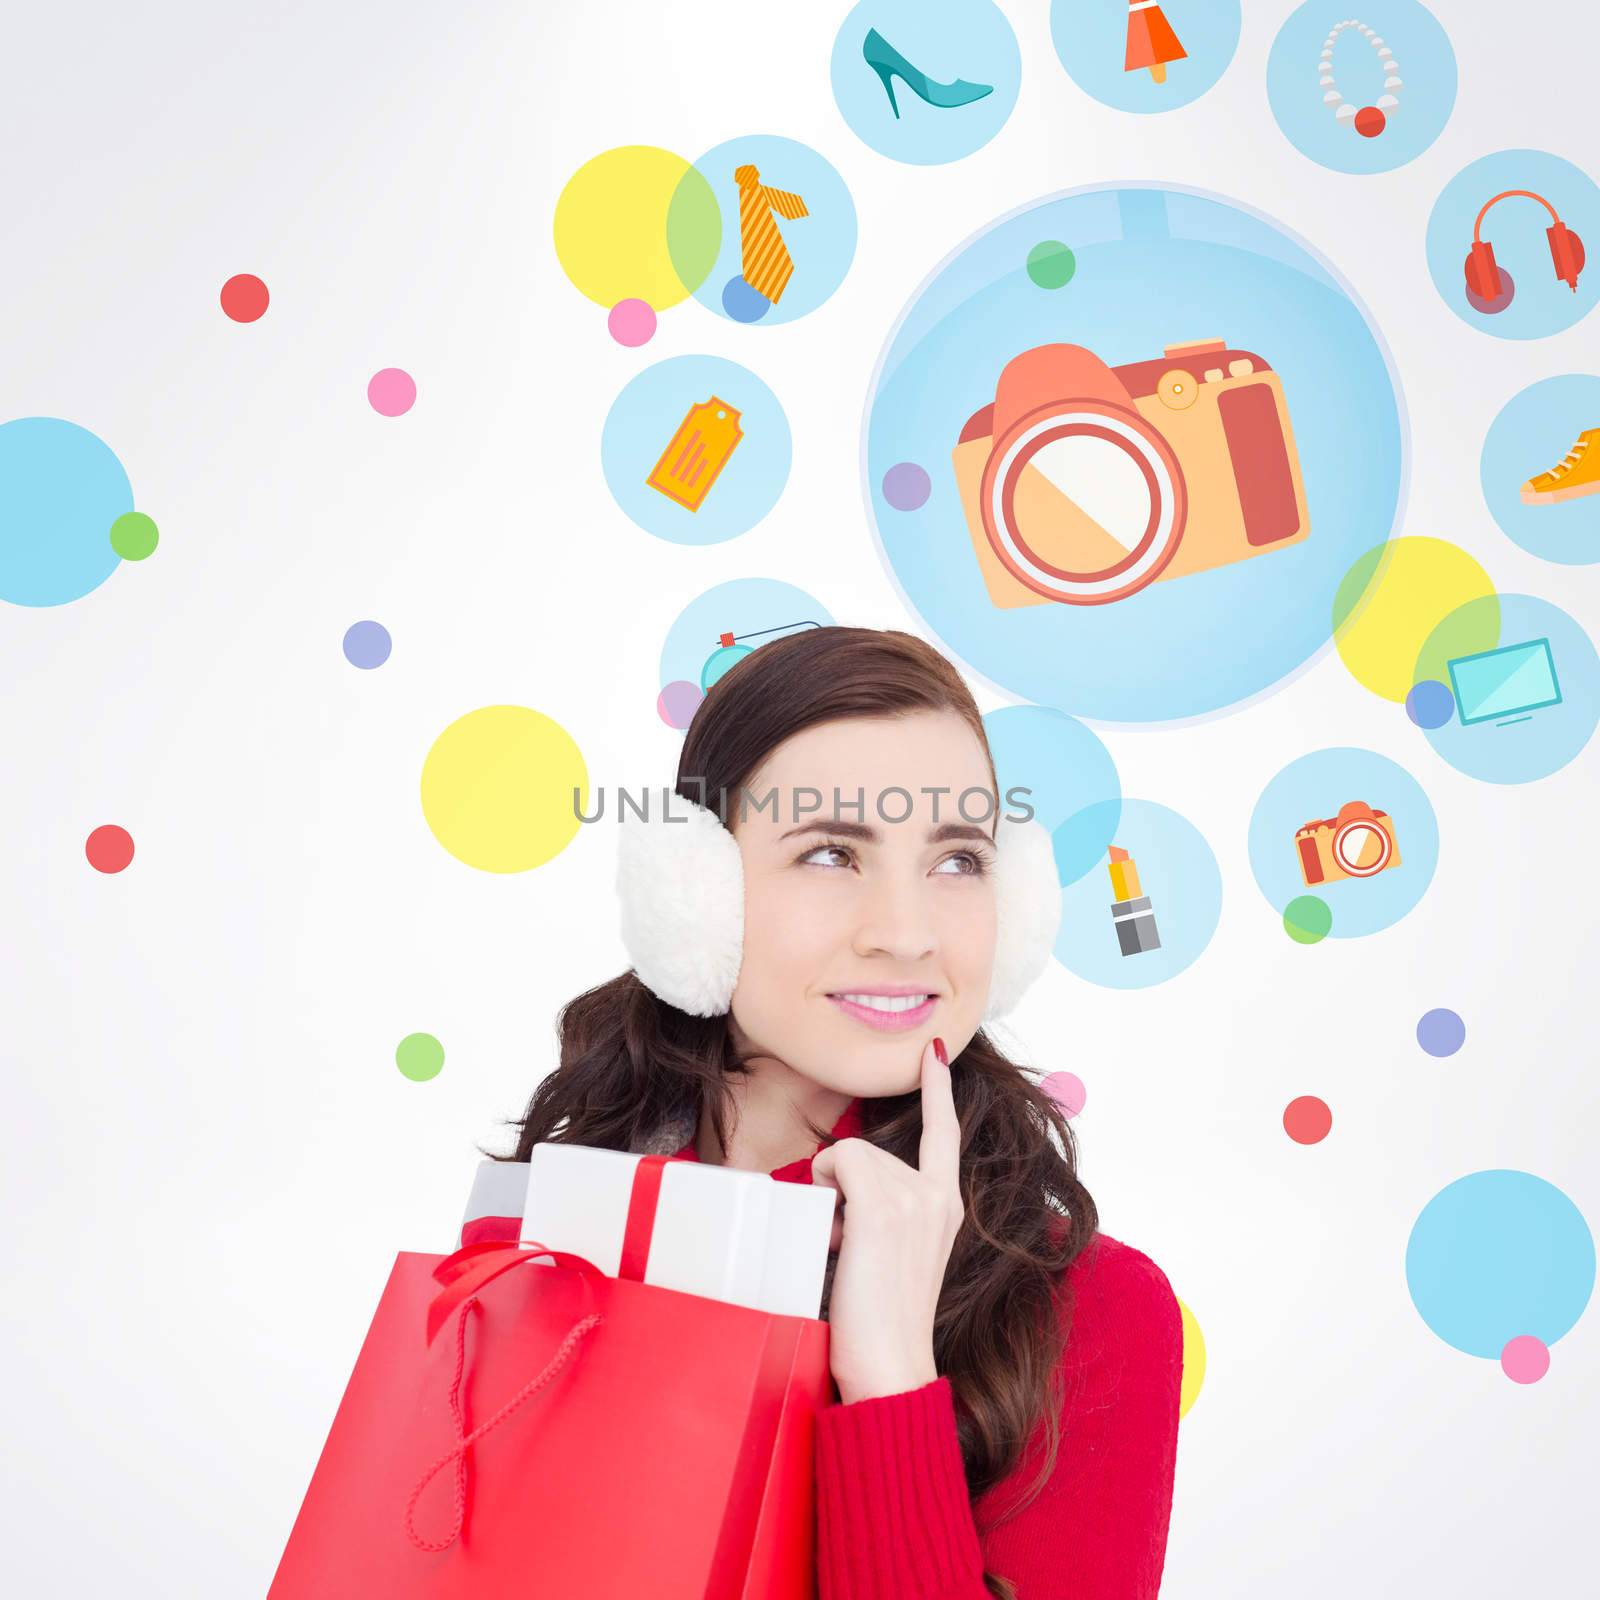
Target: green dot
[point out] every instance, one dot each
(1051, 264)
(1306, 919)
(419, 1056)
(133, 536)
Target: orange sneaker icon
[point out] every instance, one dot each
(1577, 473)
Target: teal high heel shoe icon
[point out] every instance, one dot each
(889, 64)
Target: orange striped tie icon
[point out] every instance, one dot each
(764, 259)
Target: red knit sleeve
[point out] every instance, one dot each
(894, 1521)
(893, 1518)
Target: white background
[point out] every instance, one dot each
(209, 1159)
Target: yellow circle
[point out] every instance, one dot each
(1390, 602)
(1178, 389)
(1194, 1361)
(637, 223)
(498, 788)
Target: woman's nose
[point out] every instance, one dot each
(896, 919)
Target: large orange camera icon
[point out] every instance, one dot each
(1083, 483)
(1358, 843)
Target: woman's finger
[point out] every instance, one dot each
(939, 1154)
(824, 1175)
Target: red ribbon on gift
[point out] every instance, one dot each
(463, 1274)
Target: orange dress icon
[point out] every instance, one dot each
(764, 262)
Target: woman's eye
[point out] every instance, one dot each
(963, 864)
(975, 864)
(825, 849)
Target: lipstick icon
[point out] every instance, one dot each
(1130, 912)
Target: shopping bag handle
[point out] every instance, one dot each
(463, 1274)
(468, 1269)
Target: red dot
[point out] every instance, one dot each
(1307, 1119)
(1370, 122)
(109, 848)
(244, 297)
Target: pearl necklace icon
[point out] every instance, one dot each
(1371, 120)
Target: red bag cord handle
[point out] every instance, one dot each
(464, 1272)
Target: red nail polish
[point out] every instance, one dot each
(938, 1050)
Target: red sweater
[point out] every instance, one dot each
(894, 1518)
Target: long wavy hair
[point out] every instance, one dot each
(629, 1060)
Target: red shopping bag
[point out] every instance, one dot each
(518, 1423)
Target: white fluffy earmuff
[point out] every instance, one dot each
(680, 882)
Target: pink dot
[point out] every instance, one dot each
(632, 322)
(1525, 1359)
(1067, 1090)
(392, 392)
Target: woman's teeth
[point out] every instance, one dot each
(885, 1002)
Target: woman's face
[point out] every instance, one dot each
(843, 901)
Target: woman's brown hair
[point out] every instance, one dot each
(628, 1061)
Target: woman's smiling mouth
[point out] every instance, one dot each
(890, 1011)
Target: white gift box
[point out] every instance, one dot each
(741, 1237)
(498, 1190)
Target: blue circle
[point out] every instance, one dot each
(1156, 267)
(1441, 1032)
(925, 84)
(648, 431)
(1420, 49)
(1498, 1254)
(1430, 704)
(721, 661)
(1064, 774)
(61, 488)
(1527, 700)
(819, 245)
(742, 303)
(1534, 432)
(1178, 877)
(1314, 789)
(1516, 228)
(367, 644)
(756, 610)
(1092, 42)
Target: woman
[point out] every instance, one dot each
(1008, 1376)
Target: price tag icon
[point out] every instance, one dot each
(697, 453)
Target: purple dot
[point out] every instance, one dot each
(1441, 1032)
(1430, 704)
(906, 486)
(367, 644)
(1495, 303)
(632, 322)
(678, 702)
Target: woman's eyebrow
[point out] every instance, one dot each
(862, 830)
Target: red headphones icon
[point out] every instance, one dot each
(1489, 287)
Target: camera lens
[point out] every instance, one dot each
(1083, 503)
(1361, 848)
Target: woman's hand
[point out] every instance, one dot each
(894, 1229)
